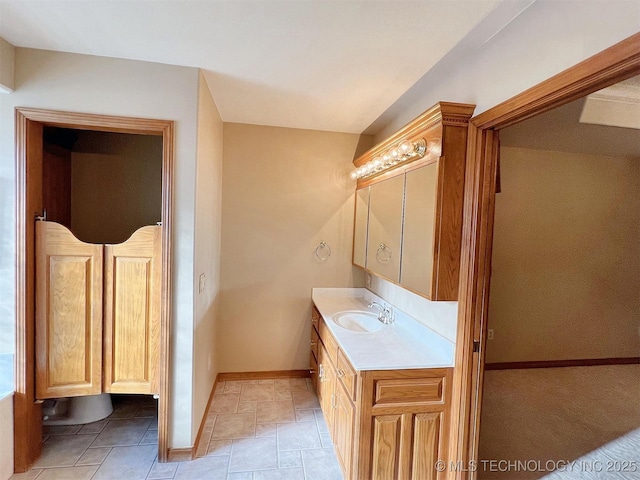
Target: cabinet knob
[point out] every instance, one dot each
(313, 344)
(340, 373)
(312, 371)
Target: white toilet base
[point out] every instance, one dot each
(87, 409)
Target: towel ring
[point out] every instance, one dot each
(323, 247)
(384, 253)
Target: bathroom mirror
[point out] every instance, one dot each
(360, 227)
(418, 233)
(385, 228)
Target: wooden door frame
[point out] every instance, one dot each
(613, 65)
(27, 413)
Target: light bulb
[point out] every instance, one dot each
(354, 174)
(406, 148)
(377, 163)
(386, 159)
(395, 153)
(360, 171)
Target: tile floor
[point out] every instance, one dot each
(254, 430)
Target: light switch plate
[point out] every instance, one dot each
(201, 283)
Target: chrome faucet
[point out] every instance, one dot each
(386, 312)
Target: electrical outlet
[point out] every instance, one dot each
(490, 334)
(368, 284)
(201, 283)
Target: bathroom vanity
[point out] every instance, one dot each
(385, 386)
(384, 389)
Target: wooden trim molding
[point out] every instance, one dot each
(168, 148)
(203, 438)
(27, 413)
(28, 124)
(584, 362)
(225, 377)
(432, 126)
(101, 123)
(613, 65)
(179, 454)
(447, 113)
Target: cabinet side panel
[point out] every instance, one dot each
(449, 210)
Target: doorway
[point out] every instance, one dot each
(559, 384)
(31, 125)
(613, 65)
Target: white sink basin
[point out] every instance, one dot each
(358, 321)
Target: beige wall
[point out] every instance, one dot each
(7, 65)
(116, 185)
(207, 251)
(84, 83)
(566, 257)
(284, 191)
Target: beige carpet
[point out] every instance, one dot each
(547, 417)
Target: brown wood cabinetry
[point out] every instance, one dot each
(422, 222)
(385, 424)
(344, 416)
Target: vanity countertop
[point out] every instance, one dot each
(404, 344)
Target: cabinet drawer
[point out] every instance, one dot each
(314, 342)
(347, 375)
(404, 391)
(329, 342)
(315, 317)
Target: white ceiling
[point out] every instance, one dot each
(317, 64)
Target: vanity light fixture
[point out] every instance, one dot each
(395, 155)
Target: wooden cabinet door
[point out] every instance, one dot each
(426, 446)
(344, 418)
(132, 296)
(407, 446)
(68, 314)
(326, 386)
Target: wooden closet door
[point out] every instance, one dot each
(68, 314)
(132, 295)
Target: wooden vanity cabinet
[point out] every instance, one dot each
(344, 415)
(384, 424)
(326, 385)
